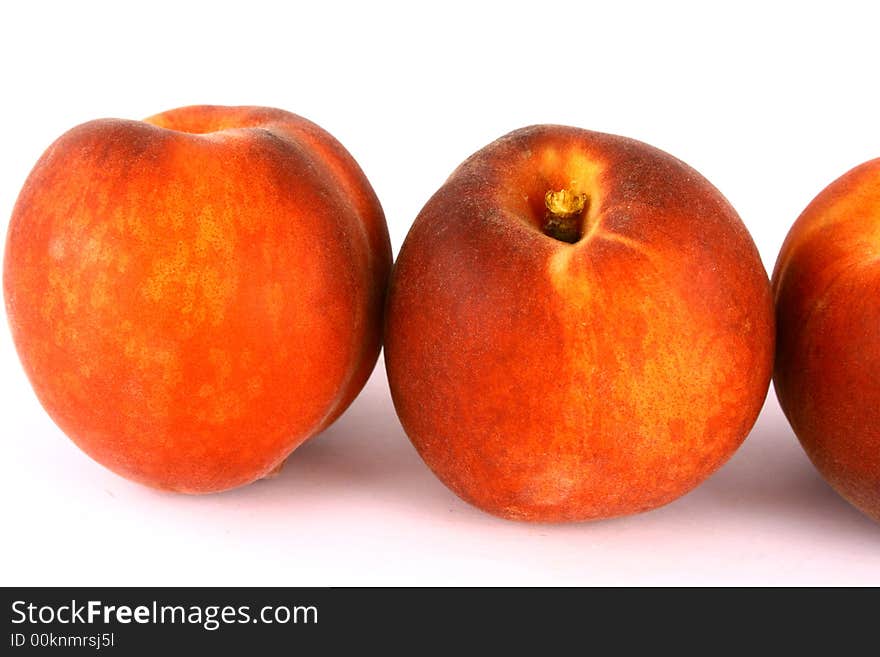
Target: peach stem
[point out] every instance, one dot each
(564, 215)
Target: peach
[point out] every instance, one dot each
(194, 295)
(578, 326)
(826, 285)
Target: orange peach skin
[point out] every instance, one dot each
(194, 295)
(548, 381)
(827, 289)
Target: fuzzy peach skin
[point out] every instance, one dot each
(827, 290)
(194, 295)
(551, 381)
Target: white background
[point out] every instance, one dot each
(770, 102)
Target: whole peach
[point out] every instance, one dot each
(827, 289)
(579, 326)
(194, 295)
